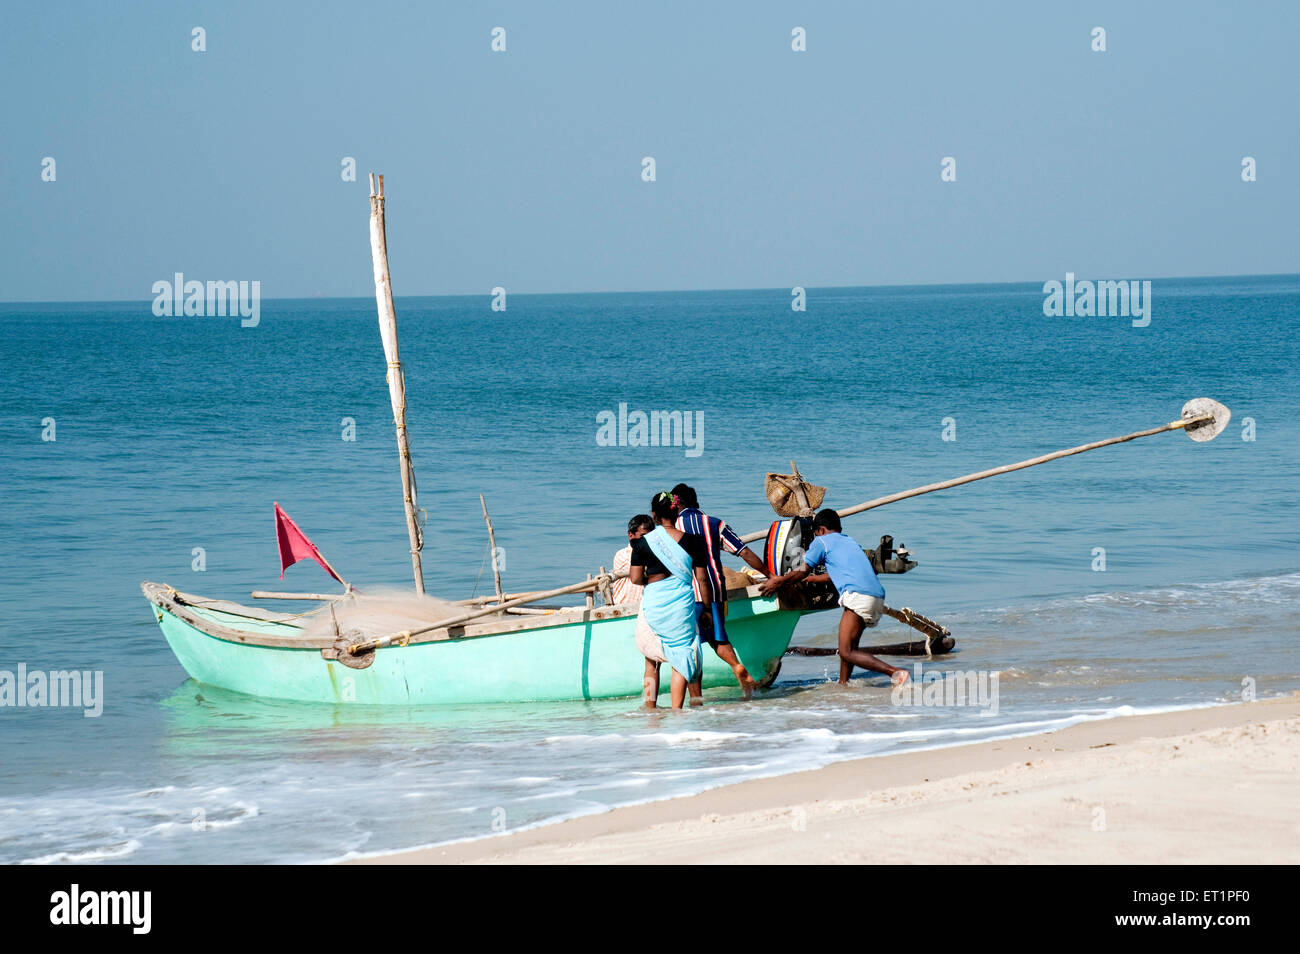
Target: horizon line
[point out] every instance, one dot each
(647, 291)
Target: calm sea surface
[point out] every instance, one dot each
(176, 434)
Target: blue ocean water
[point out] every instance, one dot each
(178, 433)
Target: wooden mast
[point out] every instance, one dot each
(396, 380)
(492, 542)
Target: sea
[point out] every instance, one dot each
(1148, 576)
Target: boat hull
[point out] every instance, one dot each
(588, 659)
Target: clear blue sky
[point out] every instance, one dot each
(523, 169)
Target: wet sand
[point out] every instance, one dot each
(1214, 785)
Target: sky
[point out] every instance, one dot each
(523, 168)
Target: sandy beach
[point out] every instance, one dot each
(1212, 785)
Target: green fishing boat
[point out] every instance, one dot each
(568, 654)
(494, 650)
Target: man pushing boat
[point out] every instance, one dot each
(711, 614)
(861, 595)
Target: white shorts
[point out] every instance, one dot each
(868, 607)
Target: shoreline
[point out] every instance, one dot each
(1129, 789)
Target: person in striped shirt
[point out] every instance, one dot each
(717, 537)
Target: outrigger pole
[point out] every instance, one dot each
(396, 380)
(1202, 419)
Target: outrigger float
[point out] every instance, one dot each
(504, 648)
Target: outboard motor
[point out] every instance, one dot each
(888, 558)
(788, 540)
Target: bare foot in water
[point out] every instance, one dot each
(899, 677)
(747, 684)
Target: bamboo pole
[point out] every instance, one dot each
(916, 647)
(335, 573)
(922, 624)
(396, 380)
(492, 541)
(605, 579)
(473, 601)
(993, 472)
(405, 636)
(483, 600)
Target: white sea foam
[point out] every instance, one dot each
(111, 826)
(1278, 589)
(86, 856)
(709, 778)
(686, 738)
(648, 738)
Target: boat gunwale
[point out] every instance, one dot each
(183, 605)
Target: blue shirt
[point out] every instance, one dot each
(847, 564)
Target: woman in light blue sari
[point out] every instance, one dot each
(664, 561)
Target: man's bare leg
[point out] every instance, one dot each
(846, 667)
(728, 656)
(851, 626)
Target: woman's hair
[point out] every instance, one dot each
(827, 518)
(664, 506)
(639, 521)
(686, 495)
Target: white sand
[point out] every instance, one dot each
(1216, 785)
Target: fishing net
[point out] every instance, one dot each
(380, 612)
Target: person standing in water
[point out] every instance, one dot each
(667, 561)
(861, 594)
(628, 594)
(625, 591)
(711, 613)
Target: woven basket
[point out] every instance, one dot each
(792, 496)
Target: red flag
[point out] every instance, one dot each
(295, 546)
